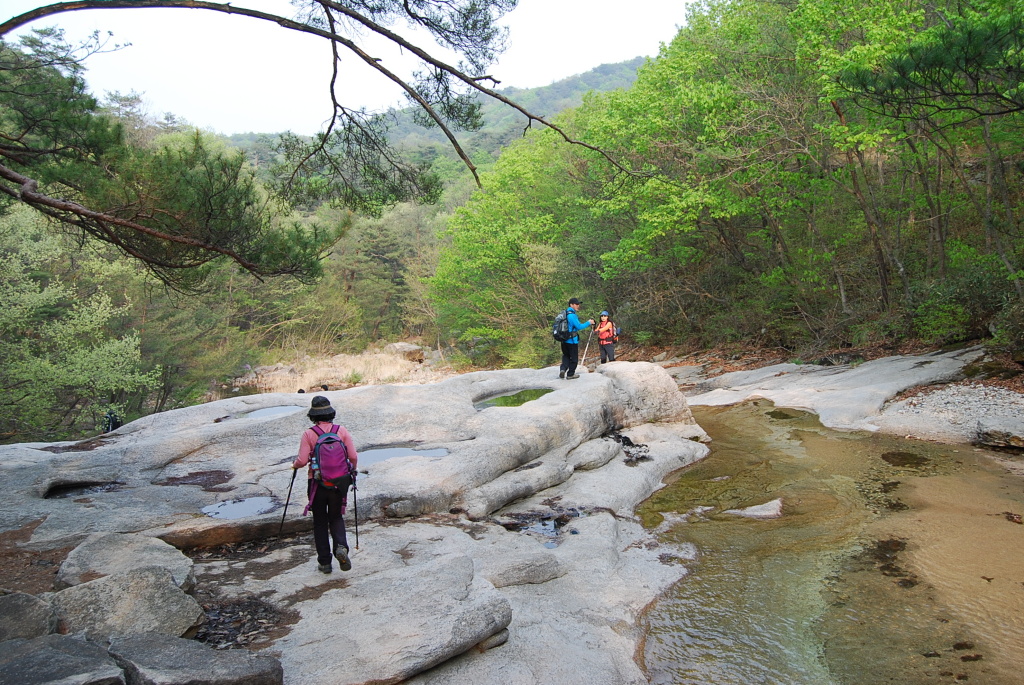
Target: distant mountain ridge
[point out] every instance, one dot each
(502, 124)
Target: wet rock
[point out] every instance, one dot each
(103, 554)
(25, 616)
(138, 601)
(154, 659)
(57, 659)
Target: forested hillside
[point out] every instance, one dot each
(83, 328)
(804, 176)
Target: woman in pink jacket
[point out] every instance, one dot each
(327, 500)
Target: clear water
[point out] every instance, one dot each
(512, 399)
(272, 411)
(875, 573)
(379, 454)
(240, 508)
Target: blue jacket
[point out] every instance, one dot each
(575, 325)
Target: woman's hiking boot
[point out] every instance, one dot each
(323, 568)
(341, 554)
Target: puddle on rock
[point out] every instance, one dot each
(378, 454)
(240, 508)
(67, 490)
(548, 526)
(512, 399)
(846, 588)
(268, 412)
(906, 459)
(210, 481)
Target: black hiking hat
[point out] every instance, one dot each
(320, 406)
(576, 300)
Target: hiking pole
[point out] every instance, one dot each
(355, 510)
(583, 362)
(287, 499)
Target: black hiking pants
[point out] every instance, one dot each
(329, 518)
(570, 357)
(607, 352)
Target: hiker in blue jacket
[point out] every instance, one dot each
(571, 347)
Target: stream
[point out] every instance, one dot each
(894, 561)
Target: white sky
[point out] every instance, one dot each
(235, 74)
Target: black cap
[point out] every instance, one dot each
(575, 300)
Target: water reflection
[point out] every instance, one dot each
(379, 454)
(856, 583)
(512, 399)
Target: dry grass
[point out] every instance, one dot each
(347, 370)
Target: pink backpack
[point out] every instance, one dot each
(330, 456)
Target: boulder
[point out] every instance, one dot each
(394, 624)
(103, 554)
(137, 601)
(407, 351)
(25, 616)
(155, 659)
(998, 431)
(534, 568)
(645, 393)
(57, 660)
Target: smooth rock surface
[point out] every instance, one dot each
(843, 397)
(425, 618)
(57, 660)
(154, 659)
(431, 594)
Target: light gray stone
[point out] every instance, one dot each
(25, 616)
(389, 626)
(408, 351)
(645, 393)
(421, 593)
(155, 659)
(999, 431)
(137, 601)
(104, 554)
(57, 660)
(844, 397)
(532, 568)
(594, 454)
(496, 640)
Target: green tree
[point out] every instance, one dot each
(61, 360)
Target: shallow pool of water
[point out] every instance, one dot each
(893, 561)
(240, 508)
(271, 411)
(512, 399)
(379, 454)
